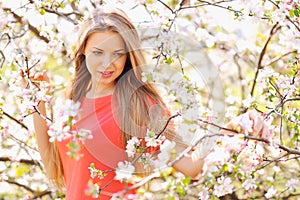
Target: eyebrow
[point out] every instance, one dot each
(117, 50)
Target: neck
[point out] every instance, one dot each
(99, 91)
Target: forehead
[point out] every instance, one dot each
(105, 39)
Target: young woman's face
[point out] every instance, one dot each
(105, 58)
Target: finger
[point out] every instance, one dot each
(21, 79)
(258, 124)
(41, 76)
(253, 114)
(45, 75)
(265, 131)
(232, 125)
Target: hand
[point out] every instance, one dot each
(35, 80)
(250, 123)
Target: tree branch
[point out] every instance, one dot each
(20, 185)
(24, 161)
(279, 58)
(31, 28)
(15, 120)
(168, 7)
(282, 104)
(216, 4)
(274, 29)
(157, 136)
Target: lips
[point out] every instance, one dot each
(106, 74)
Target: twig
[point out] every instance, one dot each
(23, 144)
(275, 4)
(290, 20)
(41, 194)
(139, 156)
(271, 161)
(32, 28)
(235, 58)
(3, 59)
(280, 57)
(190, 148)
(206, 3)
(140, 183)
(161, 47)
(168, 7)
(281, 125)
(92, 3)
(287, 149)
(282, 104)
(287, 17)
(106, 185)
(24, 161)
(277, 90)
(157, 136)
(15, 120)
(20, 185)
(179, 60)
(64, 15)
(41, 115)
(274, 29)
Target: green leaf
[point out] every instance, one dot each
(240, 175)
(180, 191)
(296, 12)
(186, 181)
(234, 157)
(168, 61)
(225, 167)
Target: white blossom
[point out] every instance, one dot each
(124, 170)
(70, 108)
(271, 192)
(132, 146)
(204, 194)
(246, 123)
(151, 140)
(292, 184)
(249, 184)
(224, 187)
(84, 134)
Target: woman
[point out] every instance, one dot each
(115, 106)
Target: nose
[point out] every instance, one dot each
(107, 60)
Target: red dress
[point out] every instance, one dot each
(105, 150)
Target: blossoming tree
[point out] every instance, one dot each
(213, 59)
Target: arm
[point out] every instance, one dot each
(192, 167)
(188, 166)
(45, 147)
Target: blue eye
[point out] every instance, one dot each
(97, 52)
(119, 54)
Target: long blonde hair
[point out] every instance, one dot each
(133, 98)
(137, 104)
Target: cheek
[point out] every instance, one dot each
(120, 63)
(90, 63)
